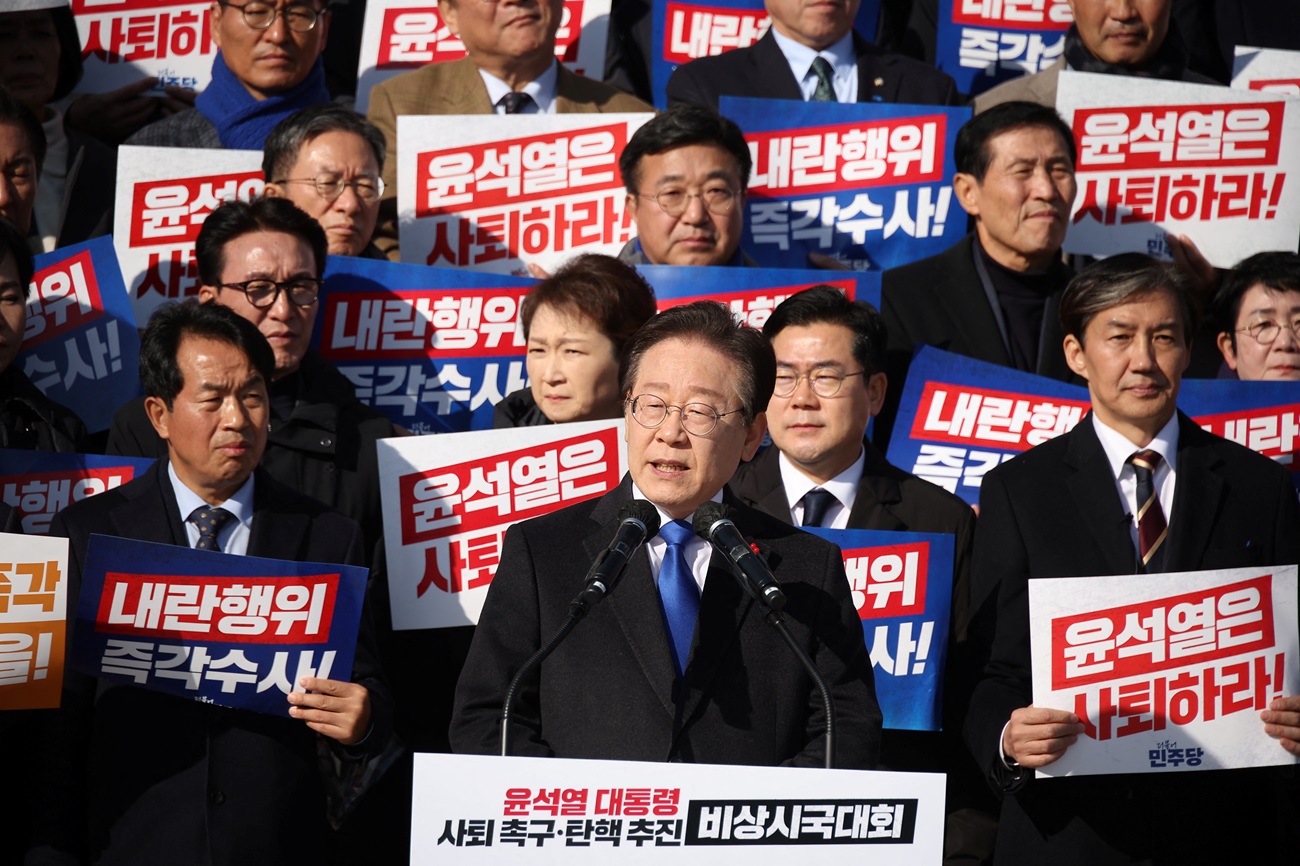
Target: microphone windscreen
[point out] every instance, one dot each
(643, 511)
(706, 516)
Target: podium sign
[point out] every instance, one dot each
(541, 810)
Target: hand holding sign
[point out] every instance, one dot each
(1282, 720)
(337, 709)
(1037, 736)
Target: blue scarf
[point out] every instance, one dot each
(244, 122)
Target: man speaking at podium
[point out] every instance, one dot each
(677, 663)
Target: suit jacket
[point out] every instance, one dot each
(762, 71)
(456, 87)
(610, 690)
(1054, 512)
(169, 780)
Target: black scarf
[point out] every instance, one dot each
(1169, 63)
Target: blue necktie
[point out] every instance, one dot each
(678, 590)
(210, 522)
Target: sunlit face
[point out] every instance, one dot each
(821, 436)
(29, 57)
(270, 256)
(18, 174)
(572, 367)
(674, 469)
(1133, 356)
(13, 312)
(1278, 360)
(216, 428)
(697, 236)
(348, 221)
(1124, 32)
(505, 34)
(1023, 203)
(815, 23)
(273, 60)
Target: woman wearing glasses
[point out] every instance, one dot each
(1258, 311)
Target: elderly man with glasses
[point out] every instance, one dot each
(267, 67)
(264, 260)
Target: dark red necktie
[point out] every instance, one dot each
(1152, 528)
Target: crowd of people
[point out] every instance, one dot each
(263, 448)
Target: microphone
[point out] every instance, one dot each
(638, 520)
(711, 522)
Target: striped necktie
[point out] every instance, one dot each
(1152, 528)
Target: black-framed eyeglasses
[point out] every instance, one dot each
(301, 291)
(698, 419)
(824, 381)
(1267, 331)
(674, 202)
(260, 16)
(367, 187)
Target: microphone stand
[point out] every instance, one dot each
(577, 610)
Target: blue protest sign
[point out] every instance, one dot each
(81, 346)
(982, 43)
(751, 293)
(869, 184)
(1263, 416)
(239, 631)
(902, 588)
(434, 349)
(39, 484)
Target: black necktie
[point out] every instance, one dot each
(210, 522)
(815, 504)
(825, 73)
(515, 103)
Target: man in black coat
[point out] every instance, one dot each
(1066, 509)
(677, 663)
(264, 260)
(169, 780)
(812, 53)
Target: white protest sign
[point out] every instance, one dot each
(1268, 70)
(163, 196)
(481, 809)
(400, 35)
(33, 624)
(123, 41)
(494, 193)
(1168, 672)
(1158, 157)
(449, 498)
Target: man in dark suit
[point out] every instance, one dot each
(677, 664)
(994, 294)
(812, 53)
(169, 780)
(1066, 509)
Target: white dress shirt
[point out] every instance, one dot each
(541, 89)
(843, 60)
(1119, 449)
(844, 487)
(698, 552)
(233, 537)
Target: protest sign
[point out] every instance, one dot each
(1268, 70)
(81, 346)
(684, 30)
(868, 184)
(448, 500)
(39, 484)
(400, 35)
(496, 193)
(239, 631)
(163, 196)
(33, 611)
(960, 417)
(1167, 672)
(902, 588)
(982, 43)
(1263, 416)
(1159, 157)
(751, 293)
(434, 349)
(123, 41)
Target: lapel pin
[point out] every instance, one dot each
(879, 82)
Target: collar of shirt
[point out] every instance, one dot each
(698, 551)
(1119, 449)
(541, 89)
(844, 487)
(841, 56)
(233, 537)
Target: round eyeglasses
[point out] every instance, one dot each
(260, 16)
(368, 189)
(1267, 331)
(674, 202)
(825, 382)
(301, 291)
(698, 419)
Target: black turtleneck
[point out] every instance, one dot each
(1022, 297)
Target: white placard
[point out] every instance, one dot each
(123, 41)
(449, 498)
(33, 620)
(476, 809)
(495, 193)
(163, 196)
(400, 35)
(1267, 70)
(1168, 672)
(1157, 157)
